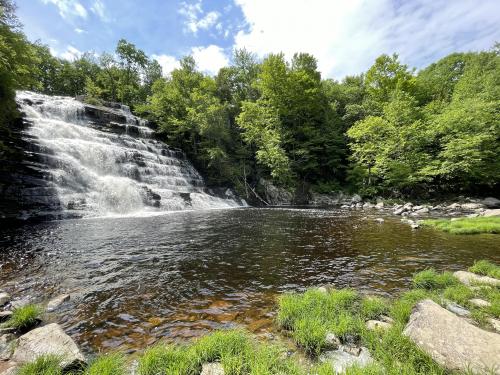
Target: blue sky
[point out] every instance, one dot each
(344, 35)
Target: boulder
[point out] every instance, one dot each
(4, 298)
(6, 346)
(332, 341)
(492, 212)
(374, 325)
(356, 198)
(399, 211)
(212, 369)
(479, 302)
(451, 341)
(379, 220)
(49, 339)
(495, 323)
(422, 211)
(368, 205)
(340, 359)
(491, 202)
(453, 206)
(8, 368)
(57, 301)
(471, 206)
(469, 278)
(20, 303)
(379, 205)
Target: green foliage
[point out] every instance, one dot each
(484, 267)
(108, 364)
(24, 317)
(460, 294)
(43, 365)
(374, 307)
(431, 280)
(476, 225)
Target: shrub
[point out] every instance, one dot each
(483, 267)
(24, 317)
(109, 364)
(44, 365)
(431, 280)
(374, 307)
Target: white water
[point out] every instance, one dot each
(100, 173)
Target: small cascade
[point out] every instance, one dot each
(101, 161)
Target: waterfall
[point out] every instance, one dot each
(102, 161)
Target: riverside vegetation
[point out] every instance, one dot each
(390, 131)
(317, 321)
(474, 225)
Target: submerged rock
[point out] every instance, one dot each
(469, 278)
(340, 359)
(49, 339)
(57, 301)
(451, 341)
(4, 298)
(212, 369)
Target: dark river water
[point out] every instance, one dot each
(134, 281)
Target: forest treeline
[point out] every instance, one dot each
(390, 131)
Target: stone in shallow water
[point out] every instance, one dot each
(451, 341)
(49, 339)
(4, 298)
(469, 278)
(57, 301)
(212, 369)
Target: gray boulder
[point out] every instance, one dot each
(453, 342)
(469, 278)
(49, 339)
(491, 202)
(356, 198)
(6, 346)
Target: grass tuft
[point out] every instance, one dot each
(108, 364)
(476, 225)
(44, 365)
(460, 294)
(431, 280)
(24, 317)
(483, 267)
(374, 307)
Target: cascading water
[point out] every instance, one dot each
(112, 166)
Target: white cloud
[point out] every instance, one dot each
(210, 59)
(79, 31)
(167, 62)
(346, 36)
(68, 8)
(99, 9)
(194, 21)
(70, 54)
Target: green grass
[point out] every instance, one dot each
(460, 294)
(483, 267)
(236, 350)
(44, 365)
(374, 307)
(474, 225)
(108, 364)
(431, 280)
(24, 317)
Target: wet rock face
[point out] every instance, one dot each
(453, 342)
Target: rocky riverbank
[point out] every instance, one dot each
(446, 322)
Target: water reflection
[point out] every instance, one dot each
(136, 280)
